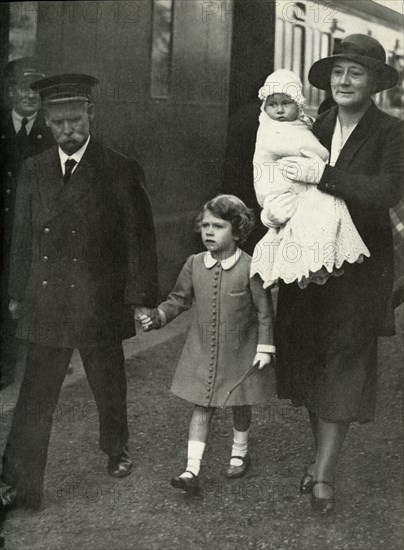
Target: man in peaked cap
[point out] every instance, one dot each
(23, 133)
(83, 263)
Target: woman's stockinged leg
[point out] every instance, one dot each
(330, 437)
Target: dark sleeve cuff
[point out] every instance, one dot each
(327, 184)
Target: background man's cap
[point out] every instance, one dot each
(64, 88)
(23, 70)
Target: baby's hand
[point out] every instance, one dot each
(262, 359)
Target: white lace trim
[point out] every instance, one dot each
(313, 244)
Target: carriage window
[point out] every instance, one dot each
(298, 51)
(287, 44)
(161, 48)
(23, 27)
(325, 45)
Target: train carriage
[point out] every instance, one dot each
(179, 81)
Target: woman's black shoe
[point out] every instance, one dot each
(190, 485)
(306, 483)
(323, 506)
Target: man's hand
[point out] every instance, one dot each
(306, 169)
(262, 359)
(14, 308)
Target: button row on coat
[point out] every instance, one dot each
(45, 284)
(213, 336)
(47, 231)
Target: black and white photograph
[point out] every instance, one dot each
(202, 274)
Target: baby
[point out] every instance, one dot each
(320, 236)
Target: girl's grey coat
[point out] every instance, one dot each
(232, 316)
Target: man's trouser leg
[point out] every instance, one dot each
(24, 459)
(106, 376)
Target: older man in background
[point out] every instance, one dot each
(23, 134)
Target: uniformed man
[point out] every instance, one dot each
(23, 133)
(83, 263)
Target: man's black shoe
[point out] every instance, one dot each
(121, 465)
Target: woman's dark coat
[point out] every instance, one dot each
(327, 336)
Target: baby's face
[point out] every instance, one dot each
(281, 107)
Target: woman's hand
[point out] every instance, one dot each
(262, 359)
(306, 169)
(278, 209)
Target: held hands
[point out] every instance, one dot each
(149, 319)
(306, 169)
(14, 308)
(262, 359)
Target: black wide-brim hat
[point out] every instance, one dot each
(362, 49)
(64, 88)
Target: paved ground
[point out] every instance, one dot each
(86, 509)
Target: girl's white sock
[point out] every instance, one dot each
(240, 446)
(195, 453)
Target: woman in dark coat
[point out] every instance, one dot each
(326, 335)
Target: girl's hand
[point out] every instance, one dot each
(306, 169)
(262, 359)
(150, 319)
(146, 322)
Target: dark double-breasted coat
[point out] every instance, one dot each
(11, 157)
(82, 252)
(12, 154)
(326, 336)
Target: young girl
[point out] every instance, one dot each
(321, 235)
(231, 331)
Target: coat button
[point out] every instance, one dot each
(44, 284)
(46, 230)
(72, 286)
(8, 191)
(45, 258)
(9, 173)
(6, 210)
(75, 260)
(74, 232)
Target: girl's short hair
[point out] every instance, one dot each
(233, 210)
